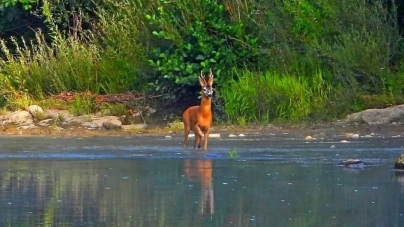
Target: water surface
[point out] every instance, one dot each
(275, 180)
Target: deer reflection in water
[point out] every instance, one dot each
(201, 170)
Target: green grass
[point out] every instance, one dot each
(82, 104)
(232, 153)
(105, 60)
(262, 97)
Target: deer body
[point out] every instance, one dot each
(199, 118)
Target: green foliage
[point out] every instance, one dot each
(114, 109)
(123, 42)
(280, 96)
(27, 4)
(304, 48)
(357, 40)
(197, 35)
(19, 102)
(67, 63)
(308, 20)
(82, 104)
(232, 153)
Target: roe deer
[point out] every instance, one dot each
(199, 118)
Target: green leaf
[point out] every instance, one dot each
(200, 57)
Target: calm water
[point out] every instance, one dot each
(150, 181)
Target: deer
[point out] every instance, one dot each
(199, 118)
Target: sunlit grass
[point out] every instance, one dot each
(261, 97)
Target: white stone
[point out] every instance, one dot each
(18, 117)
(34, 110)
(308, 138)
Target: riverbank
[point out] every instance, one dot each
(34, 121)
(315, 131)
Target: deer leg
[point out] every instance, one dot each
(197, 130)
(205, 142)
(187, 129)
(198, 139)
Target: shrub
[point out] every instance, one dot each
(195, 36)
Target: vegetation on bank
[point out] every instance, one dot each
(273, 60)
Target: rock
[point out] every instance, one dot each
(214, 135)
(21, 117)
(232, 135)
(58, 115)
(344, 141)
(241, 135)
(45, 123)
(91, 125)
(378, 116)
(308, 138)
(35, 110)
(353, 164)
(355, 136)
(30, 126)
(399, 163)
(107, 122)
(134, 127)
(80, 120)
(112, 124)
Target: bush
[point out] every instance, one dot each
(195, 36)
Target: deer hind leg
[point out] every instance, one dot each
(198, 139)
(187, 129)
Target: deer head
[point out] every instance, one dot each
(207, 86)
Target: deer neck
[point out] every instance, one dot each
(206, 104)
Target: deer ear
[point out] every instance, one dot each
(202, 80)
(210, 79)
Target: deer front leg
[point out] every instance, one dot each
(205, 142)
(197, 130)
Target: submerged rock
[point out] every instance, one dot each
(353, 164)
(399, 163)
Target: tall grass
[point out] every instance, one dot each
(263, 97)
(358, 40)
(105, 60)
